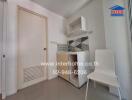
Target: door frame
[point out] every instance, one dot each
(4, 48)
(40, 15)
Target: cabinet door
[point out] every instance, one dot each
(63, 58)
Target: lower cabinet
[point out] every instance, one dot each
(73, 67)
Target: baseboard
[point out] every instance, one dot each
(11, 92)
(114, 91)
(52, 77)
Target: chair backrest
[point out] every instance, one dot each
(104, 60)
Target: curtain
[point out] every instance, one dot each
(130, 15)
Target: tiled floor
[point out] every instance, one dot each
(59, 89)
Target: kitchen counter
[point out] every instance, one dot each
(70, 52)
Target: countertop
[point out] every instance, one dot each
(71, 52)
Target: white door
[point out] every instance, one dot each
(31, 44)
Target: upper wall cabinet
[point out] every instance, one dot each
(77, 27)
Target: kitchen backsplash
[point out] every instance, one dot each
(62, 47)
(80, 44)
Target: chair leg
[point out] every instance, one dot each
(87, 90)
(119, 93)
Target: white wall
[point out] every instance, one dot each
(93, 12)
(117, 40)
(55, 33)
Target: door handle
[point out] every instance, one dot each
(45, 49)
(4, 56)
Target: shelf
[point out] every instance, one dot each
(74, 68)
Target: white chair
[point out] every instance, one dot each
(104, 70)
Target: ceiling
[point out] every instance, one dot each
(62, 7)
